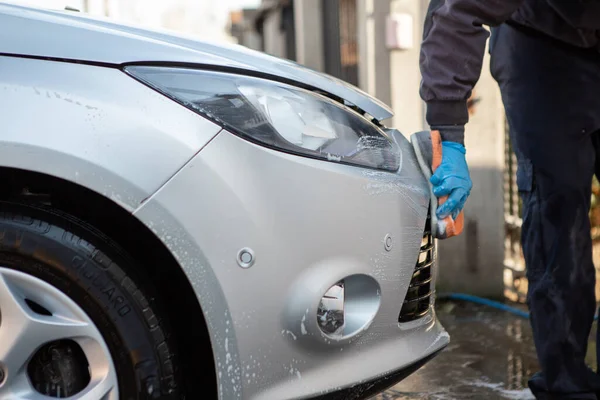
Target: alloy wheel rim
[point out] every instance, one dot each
(33, 315)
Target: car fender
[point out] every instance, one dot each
(101, 129)
(94, 126)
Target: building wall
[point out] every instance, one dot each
(205, 20)
(241, 26)
(405, 76)
(273, 37)
(309, 33)
(374, 70)
(472, 262)
(252, 40)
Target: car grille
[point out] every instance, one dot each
(418, 297)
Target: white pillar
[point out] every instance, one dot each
(405, 74)
(95, 7)
(309, 33)
(274, 39)
(374, 64)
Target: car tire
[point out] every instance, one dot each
(106, 284)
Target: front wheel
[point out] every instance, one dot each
(75, 316)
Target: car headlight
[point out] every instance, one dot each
(276, 115)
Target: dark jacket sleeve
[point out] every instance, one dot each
(452, 54)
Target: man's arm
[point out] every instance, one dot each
(451, 58)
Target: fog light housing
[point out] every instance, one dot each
(348, 307)
(330, 314)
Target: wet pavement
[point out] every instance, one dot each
(490, 356)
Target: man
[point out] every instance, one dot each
(546, 59)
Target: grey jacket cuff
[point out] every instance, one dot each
(451, 133)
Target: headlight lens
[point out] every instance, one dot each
(276, 115)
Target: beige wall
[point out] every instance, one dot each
(374, 66)
(309, 33)
(405, 76)
(473, 262)
(274, 38)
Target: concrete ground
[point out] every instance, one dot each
(490, 356)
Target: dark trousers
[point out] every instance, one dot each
(551, 93)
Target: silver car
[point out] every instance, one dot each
(181, 219)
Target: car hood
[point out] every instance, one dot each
(72, 36)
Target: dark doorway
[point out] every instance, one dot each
(340, 39)
(289, 29)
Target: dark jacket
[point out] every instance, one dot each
(454, 41)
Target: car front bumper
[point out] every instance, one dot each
(309, 224)
(367, 389)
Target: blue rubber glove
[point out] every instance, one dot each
(452, 179)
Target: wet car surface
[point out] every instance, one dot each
(490, 356)
(255, 185)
